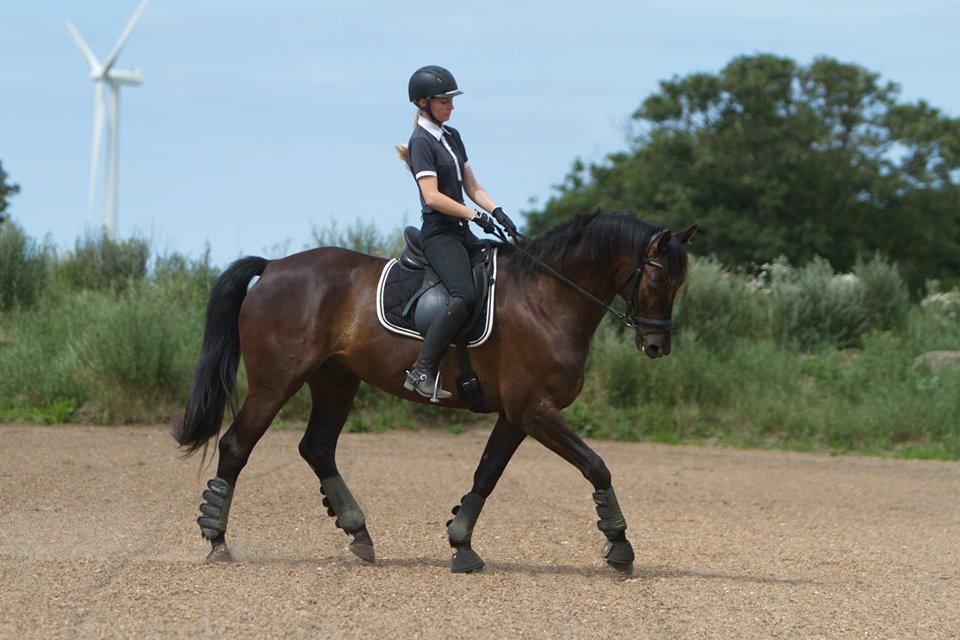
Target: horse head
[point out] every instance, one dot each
(651, 288)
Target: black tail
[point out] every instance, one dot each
(216, 376)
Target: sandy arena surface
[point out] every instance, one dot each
(98, 539)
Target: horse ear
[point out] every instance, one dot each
(685, 235)
(659, 243)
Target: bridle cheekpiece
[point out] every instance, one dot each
(644, 326)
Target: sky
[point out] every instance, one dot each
(257, 120)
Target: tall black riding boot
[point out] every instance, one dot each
(423, 377)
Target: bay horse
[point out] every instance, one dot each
(311, 319)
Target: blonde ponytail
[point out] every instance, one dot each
(402, 148)
(402, 153)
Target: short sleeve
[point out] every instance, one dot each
(422, 158)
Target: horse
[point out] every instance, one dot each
(311, 319)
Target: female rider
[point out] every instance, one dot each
(438, 161)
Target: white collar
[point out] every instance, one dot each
(431, 127)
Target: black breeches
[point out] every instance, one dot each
(449, 255)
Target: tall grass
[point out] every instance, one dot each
(797, 357)
(758, 393)
(23, 267)
(120, 357)
(98, 263)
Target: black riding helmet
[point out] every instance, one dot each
(432, 82)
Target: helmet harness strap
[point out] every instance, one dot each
(427, 110)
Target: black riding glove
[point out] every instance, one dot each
(484, 221)
(505, 222)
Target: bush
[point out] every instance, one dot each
(943, 305)
(735, 377)
(360, 236)
(759, 393)
(102, 263)
(812, 307)
(189, 280)
(718, 306)
(137, 352)
(38, 368)
(125, 357)
(885, 293)
(23, 267)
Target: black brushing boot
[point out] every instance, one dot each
(423, 377)
(617, 551)
(460, 533)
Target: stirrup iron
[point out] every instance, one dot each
(436, 383)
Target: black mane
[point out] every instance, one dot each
(593, 237)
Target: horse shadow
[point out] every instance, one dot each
(640, 572)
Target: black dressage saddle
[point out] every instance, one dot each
(410, 295)
(430, 299)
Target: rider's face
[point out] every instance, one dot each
(442, 108)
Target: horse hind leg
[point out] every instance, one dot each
(333, 389)
(251, 422)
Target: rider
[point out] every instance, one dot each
(438, 161)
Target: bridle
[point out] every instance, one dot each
(643, 326)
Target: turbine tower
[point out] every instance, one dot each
(105, 74)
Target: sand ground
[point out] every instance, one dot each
(98, 539)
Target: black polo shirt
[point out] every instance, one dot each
(438, 151)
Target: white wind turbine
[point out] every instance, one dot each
(105, 74)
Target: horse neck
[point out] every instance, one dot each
(581, 314)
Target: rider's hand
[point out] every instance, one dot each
(484, 221)
(505, 222)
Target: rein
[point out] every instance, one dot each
(629, 319)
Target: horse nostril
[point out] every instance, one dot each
(653, 350)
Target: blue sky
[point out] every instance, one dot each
(256, 118)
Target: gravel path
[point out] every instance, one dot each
(98, 539)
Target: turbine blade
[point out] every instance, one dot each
(84, 48)
(95, 150)
(117, 48)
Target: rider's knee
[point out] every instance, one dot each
(462, 304)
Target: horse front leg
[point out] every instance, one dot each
(503, 442)
(548, 427)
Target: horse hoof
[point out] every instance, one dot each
(616, 553)
(220, 553)
(466, 561)
(624, 568)
(364, 552)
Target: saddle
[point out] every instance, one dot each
(410, 295)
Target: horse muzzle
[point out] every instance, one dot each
(654, 345)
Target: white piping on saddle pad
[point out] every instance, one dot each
(382, 317)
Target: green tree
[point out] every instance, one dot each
(6, 190)
(775, 158)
